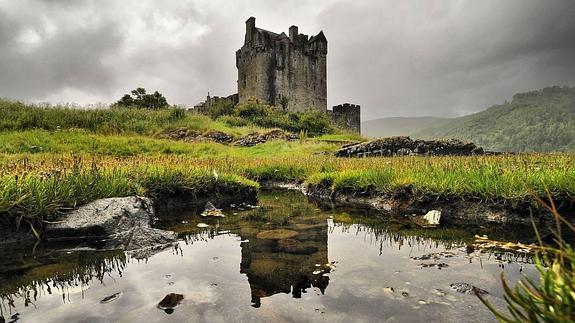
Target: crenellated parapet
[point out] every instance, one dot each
(348, 116)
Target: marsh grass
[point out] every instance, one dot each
(41, 185)
(33, 195)
(552, 298)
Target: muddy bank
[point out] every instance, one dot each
(404, 203)
(219, 198)
(454, 210)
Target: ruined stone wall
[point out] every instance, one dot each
(289, 72)
(348, 116)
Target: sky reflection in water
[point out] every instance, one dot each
(286, 260)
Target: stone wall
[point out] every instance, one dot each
(348, 116)
(280, 70)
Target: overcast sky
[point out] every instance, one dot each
(394, 58)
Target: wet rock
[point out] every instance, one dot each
(122, 222)
(110, 298)
(104, 217)
(143, 237)
(170, 302)
(211, 210)
(405, 146)
(466, 288)
(432, 217)
(278, 234)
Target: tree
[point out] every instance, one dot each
(139, 99)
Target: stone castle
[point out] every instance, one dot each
(288, 72)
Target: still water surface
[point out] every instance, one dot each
(284, 261)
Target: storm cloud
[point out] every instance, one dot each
(394, 58)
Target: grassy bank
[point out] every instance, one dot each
(79, 141)
(17, 116)
(39, 186)
(52, 159)
(33, 193)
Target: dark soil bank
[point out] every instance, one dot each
(454, 210)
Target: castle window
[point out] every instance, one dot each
(245, 80)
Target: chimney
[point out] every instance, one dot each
(250, 28)
(293, 33)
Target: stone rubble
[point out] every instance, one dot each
(405, 146)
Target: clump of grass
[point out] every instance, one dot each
(279, 173)
(552, 299)
(365, 180)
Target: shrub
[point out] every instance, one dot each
(252, 110)
(139, 99)
(220, 108)
(233, 121)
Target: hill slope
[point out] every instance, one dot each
(536, 121)
(396, 126)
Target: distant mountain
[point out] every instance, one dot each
(536, 121)
(396, 126)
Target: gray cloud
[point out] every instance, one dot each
(395, 58)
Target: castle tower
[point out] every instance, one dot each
(348, 116)
(281, 70)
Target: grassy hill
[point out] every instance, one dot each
(536, 121)
(396, 126)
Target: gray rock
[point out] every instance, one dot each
(104, 217)
(466, 288)
(405, 146)
(142, 237)
(122, 222)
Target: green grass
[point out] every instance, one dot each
(34, 196)
(16, 116)
(41, 176)
(341, 137)
(78, 141)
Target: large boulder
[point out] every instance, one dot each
(123, 222)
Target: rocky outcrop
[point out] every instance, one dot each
(190, 135)
(122, 222)
(405, 146)
(255, 138)
(218, 136)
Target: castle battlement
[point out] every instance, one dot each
(348, 116)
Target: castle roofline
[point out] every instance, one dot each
(294, 36)
(319, 37)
